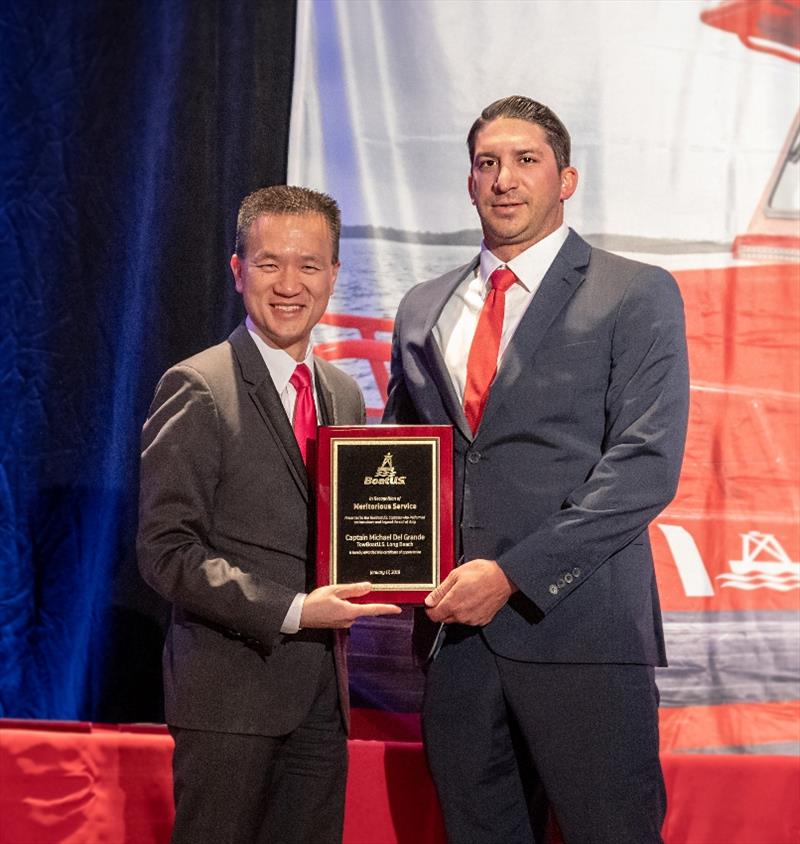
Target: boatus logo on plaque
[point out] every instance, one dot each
(385, 508)
(386, 473)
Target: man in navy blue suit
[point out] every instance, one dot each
(563, 370)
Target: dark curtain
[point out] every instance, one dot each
(131, 131)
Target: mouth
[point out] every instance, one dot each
(506, 208)
(289, 310)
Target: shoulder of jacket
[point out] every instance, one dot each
(336, 377)
(619, 265)
(209, 359)
(445, 281)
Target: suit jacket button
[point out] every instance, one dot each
(560, 582)
(568, 577)
(576, 571)
(553, 589)
(474, 456)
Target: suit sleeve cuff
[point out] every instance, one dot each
(291, 624)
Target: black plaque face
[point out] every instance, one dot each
(385, 520)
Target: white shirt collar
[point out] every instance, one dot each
(529, 266)
(280, 364)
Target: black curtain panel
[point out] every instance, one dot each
(130, 132)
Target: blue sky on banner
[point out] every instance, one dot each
(675, 124)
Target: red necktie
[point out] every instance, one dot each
(304, 420)
(482, 360)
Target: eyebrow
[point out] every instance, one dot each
(522, 151)
(265, 255)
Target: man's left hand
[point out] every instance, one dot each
(471, 594)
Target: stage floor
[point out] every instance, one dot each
(81, 783)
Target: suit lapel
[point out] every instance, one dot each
(268, 403)
(441, 293)
(560, 282)
(325, 400)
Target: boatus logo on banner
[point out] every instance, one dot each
(386, 473)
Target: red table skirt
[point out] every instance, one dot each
(76, 783)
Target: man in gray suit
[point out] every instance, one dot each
(254, 673)
(563, 370)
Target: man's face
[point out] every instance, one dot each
(286, 277)
(516, 186)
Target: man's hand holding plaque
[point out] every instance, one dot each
(471, 594)
(331, 606)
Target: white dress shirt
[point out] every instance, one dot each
(458, 320)
(281, 366)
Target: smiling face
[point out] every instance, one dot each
(516, 186)
(286, 277)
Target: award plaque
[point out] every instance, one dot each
(385, 508)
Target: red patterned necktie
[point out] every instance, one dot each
(482, 360)
(304, 420)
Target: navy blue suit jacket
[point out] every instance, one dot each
(579, 448)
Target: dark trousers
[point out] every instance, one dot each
(248, 789)
(497, 732)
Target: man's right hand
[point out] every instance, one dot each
(327, 606)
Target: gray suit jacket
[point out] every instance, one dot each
(226, 533)
(579, 448)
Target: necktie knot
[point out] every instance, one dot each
(502, 278)
(301, 377)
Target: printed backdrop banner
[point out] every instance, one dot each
(678, 126)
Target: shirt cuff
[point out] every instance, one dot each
(291, 624)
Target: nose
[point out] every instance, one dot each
(289, 284)
(506, 178)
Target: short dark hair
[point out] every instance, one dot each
(524, 108)
(287, 199)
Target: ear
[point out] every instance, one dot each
(569, 182)
(471, 188)
(335, 274)
(236, 269)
